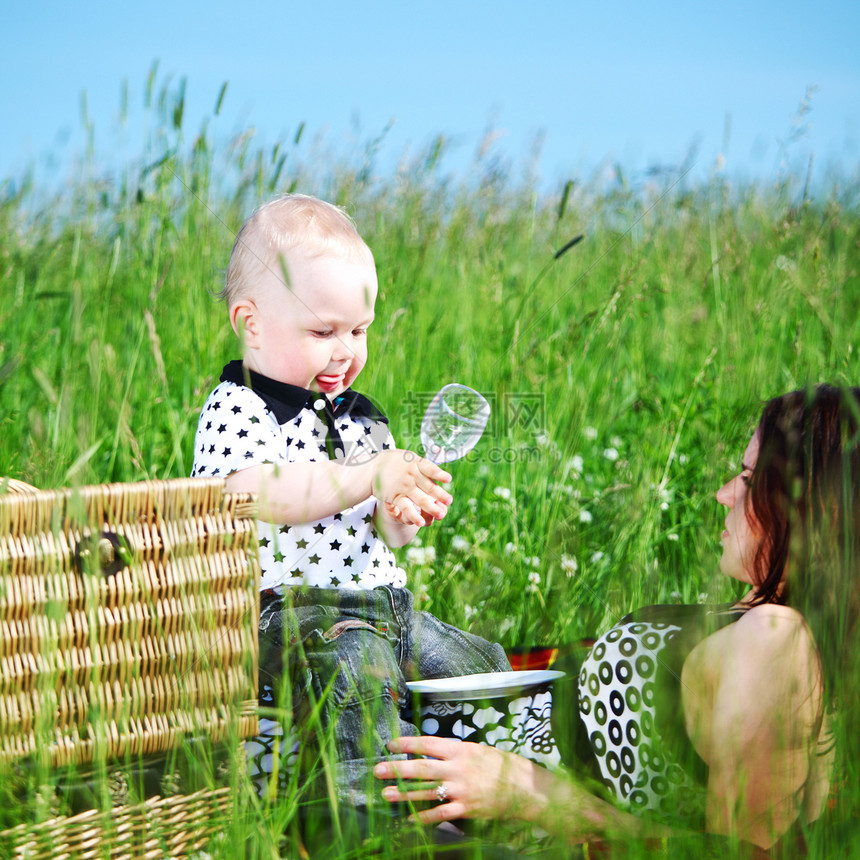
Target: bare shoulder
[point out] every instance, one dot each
(762, 635)
(771, 619)
(777, 633)
(755, 673)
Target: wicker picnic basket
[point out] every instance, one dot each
(128, 630)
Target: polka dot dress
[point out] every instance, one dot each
(617, 706)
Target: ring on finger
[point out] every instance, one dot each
(441, 792)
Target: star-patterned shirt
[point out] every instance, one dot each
(249, 420)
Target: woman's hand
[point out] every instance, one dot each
(469, 780)
(476, 781)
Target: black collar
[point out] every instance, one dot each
(287, 401)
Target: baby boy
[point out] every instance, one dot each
(334, 494)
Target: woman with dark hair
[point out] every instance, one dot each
(716, 718)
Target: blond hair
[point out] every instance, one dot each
(281, 226)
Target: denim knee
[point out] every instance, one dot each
(358, 683)
(440, 650)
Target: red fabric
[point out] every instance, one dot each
(542, 656)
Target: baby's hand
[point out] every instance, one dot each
(405, 512)
(406, 485)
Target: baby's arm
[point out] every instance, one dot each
(238, 438)
(303, 492)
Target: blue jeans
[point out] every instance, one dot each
(348, 655)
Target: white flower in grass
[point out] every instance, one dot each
(617, 441)
(590, 433)
(470, 612)
(575, 464)
(510, 548)
(472, 503)
(682, 459)
(542, 439)
(569, 564)
(676, 596)
(460, 544)
(421, 556)
(502, 493)
(664, 495)
(611, 454)
(585, 516)
(534, 582)
(534, 561)
(702, 597)
(481, 536)
(672, 536)
(596, 556)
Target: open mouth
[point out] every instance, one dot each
(329, 383)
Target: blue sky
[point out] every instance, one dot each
(634, 83)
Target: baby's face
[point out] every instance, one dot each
(314, 333)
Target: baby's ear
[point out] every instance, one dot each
(244, 319)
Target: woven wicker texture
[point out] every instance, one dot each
(128, 619)
(13, 485)
(161, 827)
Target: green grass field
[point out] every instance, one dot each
(625, 375)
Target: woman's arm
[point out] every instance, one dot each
(483, 782)
(752, 704)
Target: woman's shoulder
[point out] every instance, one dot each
(767, 659)
(764, 638)
(771, 626)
